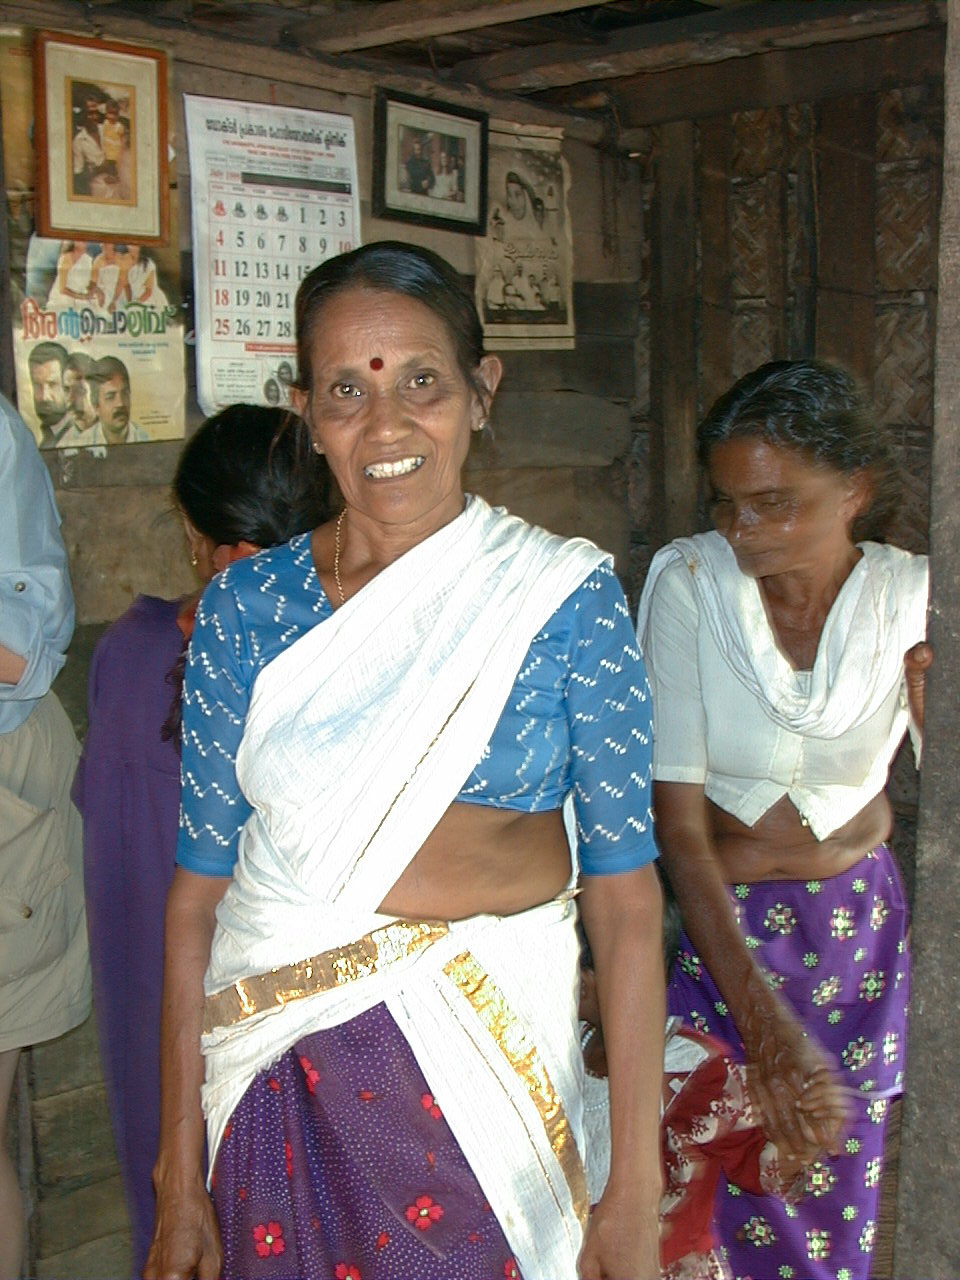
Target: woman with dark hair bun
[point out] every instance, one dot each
(372, 956)
(787, 660)
(247, 479)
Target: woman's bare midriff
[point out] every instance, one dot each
(483, 860)
(781, 847)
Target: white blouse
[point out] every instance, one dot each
(713, 728)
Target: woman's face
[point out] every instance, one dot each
(780, 511)
(391, 408)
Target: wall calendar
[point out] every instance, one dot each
(274, 193)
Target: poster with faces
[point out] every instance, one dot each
(274, 193)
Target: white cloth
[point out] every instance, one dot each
(732, 713)
(357, 740)
(142, 277)
(77, 281)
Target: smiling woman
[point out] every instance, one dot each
(383, 721)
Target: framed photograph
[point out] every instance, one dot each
(101, 140)
(429, 163)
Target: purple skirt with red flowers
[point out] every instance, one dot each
(338, 1165)
(836, 951)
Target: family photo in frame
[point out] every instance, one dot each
(101, 131)
(429, 163)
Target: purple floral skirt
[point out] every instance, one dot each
(338, 1165)
(836, 950)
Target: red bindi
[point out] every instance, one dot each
(376, 363)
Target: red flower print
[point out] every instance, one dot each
(383, 1239)
(474, 1237)
(242, 1193)
(510, 1270)
(346, 1271)
(424, 1212)
(311, 1072)
(288, 1153)
(274, 1084)
(429, 1104)
(268, 1238)
(366, 1095)
(228, 1130)
(431, 1159)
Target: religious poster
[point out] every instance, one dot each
(274, 193)
(524, 281)
(98, 344)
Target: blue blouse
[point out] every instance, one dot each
(578, 718)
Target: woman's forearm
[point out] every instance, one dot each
(186, 1240)
(625, 934)
(190, 923)
(623, 918)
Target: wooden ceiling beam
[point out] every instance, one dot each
(780, 78)
(371, 26)
(684, 42)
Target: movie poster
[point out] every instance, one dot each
(98, 344)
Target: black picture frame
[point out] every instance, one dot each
(429, 163)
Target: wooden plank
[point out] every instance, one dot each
(674, 406)
(86, 1213)
(279, 68)
(846, 268)
(606, 308)
(566, 429)
(58, 1066)
(779, 78)
(928, 1226)
(110, 1255)
(687, 42)
(73, 1137)
(775, 181)
(803, 315)
(596, 366)
(371, 25)
(716, 332)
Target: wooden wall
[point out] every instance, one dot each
(558, 455)
(788, 231)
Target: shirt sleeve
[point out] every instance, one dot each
(216, 696)
(609, 713)
(669, 646)
(36, 602)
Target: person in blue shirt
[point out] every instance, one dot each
(371, 958)
(44, 969)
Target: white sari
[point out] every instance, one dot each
(357, 740)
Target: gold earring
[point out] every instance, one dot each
(317, 450)
(481, 425)
(194, 559)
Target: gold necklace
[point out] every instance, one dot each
(336, 555)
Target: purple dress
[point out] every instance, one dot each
(128, 790)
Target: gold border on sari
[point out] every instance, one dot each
(490, 1005)
(380, 949)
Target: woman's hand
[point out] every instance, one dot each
(622, 1240)
(186, 1238)
(916, 663)
(784, 1065)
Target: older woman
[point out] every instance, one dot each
(786, 664)
(382, 721)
